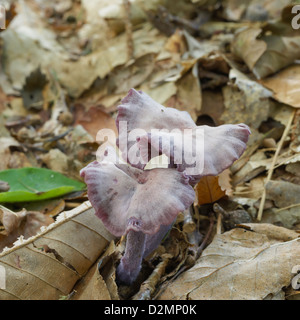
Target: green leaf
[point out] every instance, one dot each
(34, 184)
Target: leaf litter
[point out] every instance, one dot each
(64, 68)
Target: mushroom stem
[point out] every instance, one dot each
(131, 262)
(154, 240)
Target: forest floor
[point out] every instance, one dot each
(66, 65)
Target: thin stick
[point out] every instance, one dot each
(270, 172)
(128, 29)
(188, 223)
(208, 234)
(288, 207)
(148, 287)
(219, 224)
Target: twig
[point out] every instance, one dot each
(128, 29)
(288, 207)
(219, 224)
(208, 234)
(188, 222)
(148, 287)
(270, 172)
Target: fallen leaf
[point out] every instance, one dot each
(286, 217)
(91, 287)
(56, 161)
(94, 119)
(5, 151)
(264, 56)
(4, 186)
(225, 182)
(208, 190)
(23, 223)
(271, 231)
(285, 85)
(64, 248)
(246, 46)
(188, 96)
(212, 106)
(245, 101)
(283, 193)
(238, 265)
(50, 207)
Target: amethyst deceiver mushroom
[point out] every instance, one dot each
(139, 204)
(167, 131)
(143, 204)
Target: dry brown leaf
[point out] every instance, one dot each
(264, 56)
(225, 182)
(285, 85)
(92, 287)
(11, 220)
(5, 153)
(238, 265)
(271, 231)
(208, 190)
(107, 267)
(253, 189)
(212, 105)
(272, 59)
(56, 161)
(94, 120)
(245, 101)
(248, 47)
(24, 223)
(49, 264)
(283, 193)
(51, 207)
(4, 186)
(188, 95)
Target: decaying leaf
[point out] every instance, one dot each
(20, 224)
(208, 190)
(5, 151)
(49, 264)
(288, 217)
(65, 65)
(248, 47)
(268, 59)
(238, 265)
(56, 161)
(245, 101)
(91, 287)
(272, 232)
(285, 85)
(94, 120)
(283, 193)
(4, 186)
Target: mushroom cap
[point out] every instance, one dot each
(127, 198)
(196, 150)
(202, 151)
(138, 113)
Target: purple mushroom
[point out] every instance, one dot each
(139, 204)
(143, 204)
(209, 150)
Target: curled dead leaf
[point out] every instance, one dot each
(285, 85)
(64, 247)
(208, 190)
(238, 265)
(23, 223)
